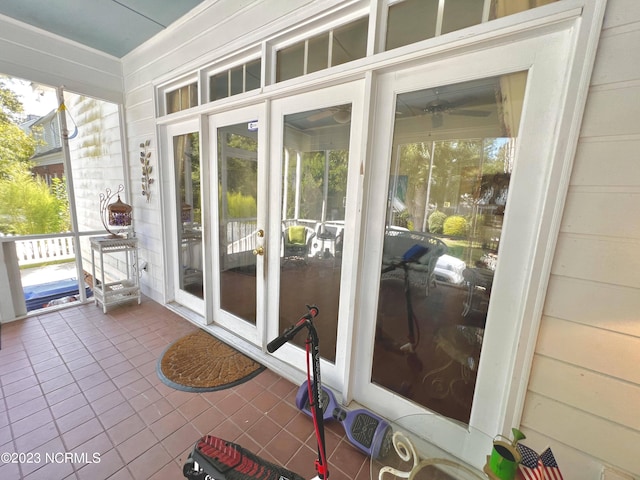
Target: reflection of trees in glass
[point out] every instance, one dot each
(455, 177)
(313, 168)
(188, 158)
(465, 179)
(242, 188)
(195, 174)
(242, 142)
(241, 177)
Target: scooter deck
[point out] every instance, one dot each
(365, 430)
(223, 460)
(328, 401)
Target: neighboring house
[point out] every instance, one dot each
(562, 346)
(47, 159)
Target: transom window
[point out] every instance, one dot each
(334, 47)
(411, 21)
(239, 79)
(404, 22)
(182, 98)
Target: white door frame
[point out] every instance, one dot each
(256, 113)
(169, 214)
(530, 228)
(334, 374)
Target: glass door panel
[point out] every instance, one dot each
(446, 204)
(237, 219)
(316, 150)
(314, 185)
(188, 213)
(184, 225)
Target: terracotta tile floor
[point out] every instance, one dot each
(79, 382)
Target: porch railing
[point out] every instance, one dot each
(241, 235)
(43, 250)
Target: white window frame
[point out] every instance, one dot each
(163, 89)
(225, 65)
(304, 33)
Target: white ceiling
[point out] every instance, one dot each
(112, 26)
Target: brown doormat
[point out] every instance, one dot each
(199, 362)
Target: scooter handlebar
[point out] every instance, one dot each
(291, 331)
(276, 343)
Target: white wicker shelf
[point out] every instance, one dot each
(120, 291)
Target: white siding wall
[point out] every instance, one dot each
(584, 390)
(96, 156)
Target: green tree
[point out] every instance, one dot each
(27, 205)
(15, 144)
(10, 106)
(15, 147)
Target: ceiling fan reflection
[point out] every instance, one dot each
(339, 114)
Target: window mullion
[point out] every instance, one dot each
(486, 9)
(439, 18)
(330, 48)
(244, 77)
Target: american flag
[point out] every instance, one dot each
(530, 467)
(551, 469)
(537, 467)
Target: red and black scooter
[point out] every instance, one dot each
(213, 458)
